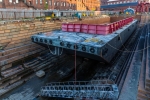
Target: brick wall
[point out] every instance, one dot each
(15, 40)
(51, 4)
(13, 4)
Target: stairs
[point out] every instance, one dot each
(27, 4)
(144, 82)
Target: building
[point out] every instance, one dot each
(88, 4)
(119, 5)
(51, 4)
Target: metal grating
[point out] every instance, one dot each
(88, 90)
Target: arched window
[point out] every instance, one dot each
(57, 3)
(50, 2)
(64, 4)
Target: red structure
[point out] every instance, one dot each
(142, 7)
(102, 29)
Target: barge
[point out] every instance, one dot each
(95, 41)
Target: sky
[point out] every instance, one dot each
(112, 0)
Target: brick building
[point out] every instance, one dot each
(51, 4)
(119, 5)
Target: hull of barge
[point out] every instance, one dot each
(103, 51)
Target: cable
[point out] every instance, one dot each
(55, 52)
(81, 36)
(50, 50)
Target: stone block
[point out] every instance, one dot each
(7, 31)
(6, 67)
(1, 31)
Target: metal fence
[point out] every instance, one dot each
(9, 14)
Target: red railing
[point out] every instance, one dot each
(102, 29)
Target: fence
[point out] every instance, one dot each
(9, 14)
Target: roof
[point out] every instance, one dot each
(120, 5)
(112, 0)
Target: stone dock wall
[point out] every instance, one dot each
(16, 45)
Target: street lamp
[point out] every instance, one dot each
(14, 5)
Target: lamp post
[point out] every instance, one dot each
(14, 5)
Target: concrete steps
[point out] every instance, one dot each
(144, 19)
(144, 94)
(140, 98)
(144, 83)
(16, 77)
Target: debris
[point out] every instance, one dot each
(40, 73)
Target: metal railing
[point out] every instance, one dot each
(92, 90)
(15, 14)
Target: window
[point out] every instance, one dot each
(57, 3)
(0, 0)
(36, 1)
(64, 4)
(50, 2)
(16, 1)
(10, 1)
(40, 1)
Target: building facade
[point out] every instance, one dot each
(88, 4)
(120, 5)
(51, 4)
